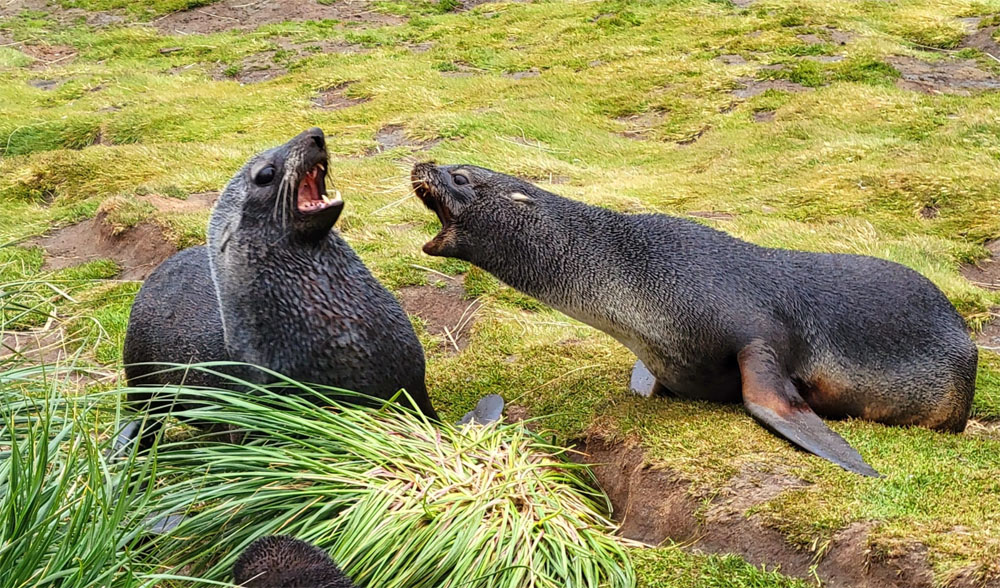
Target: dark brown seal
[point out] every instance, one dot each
(276, 287)
(280, 561)
(789, 333)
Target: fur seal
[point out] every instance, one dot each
(280, 561)
(791, 334)
(293, 295)
(275, 287)
(174, 319)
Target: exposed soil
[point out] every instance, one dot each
(462, 71)
(986, 272)
(393, 136)
(244, 15)
(259, 67)
(444, 309)
(46, 55)
(653, 505)
(763, 116)
(983, 40)
(44, 346)
(63, 16)
(989, 337)
(43, 84)
(520, 75)
(955, 76)
(640, 126)
(335, 98)
(732, 59)
(137, 250)
(754, 87)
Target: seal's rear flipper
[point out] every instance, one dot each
(488, 410)
(771, 397)
(643, 382)
(141, 431)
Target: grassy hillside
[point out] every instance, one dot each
(865, 127)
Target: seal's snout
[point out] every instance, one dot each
(316, 134)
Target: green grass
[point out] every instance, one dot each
(846, 166)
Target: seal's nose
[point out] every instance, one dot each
(316, 134)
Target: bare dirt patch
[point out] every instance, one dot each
(986, 272)
(393, 136)
(520, 75)
(751, 87)
(732, 59)
(952, 76)
(653, 505)
(445, 311)
(63, 16)
(137, 250)
(982, 39)
(46, 55)
(44, 346)
(641, 126)
(336, 98)
(244, 15)
(763, 116)
(989, 337)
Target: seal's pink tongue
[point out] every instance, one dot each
(312, 194)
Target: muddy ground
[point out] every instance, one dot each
(654, 505)
(244, 14)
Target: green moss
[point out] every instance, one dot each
(868, 71)
(671, 567)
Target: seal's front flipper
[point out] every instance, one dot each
(771, 397)
(488, 410)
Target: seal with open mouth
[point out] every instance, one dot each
(294, 297)
(789, 333)
(275, 287)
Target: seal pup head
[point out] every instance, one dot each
(469, 201)
(283, 188)
(280, 561)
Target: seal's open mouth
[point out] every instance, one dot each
(312, 197)
(425, 192)
(423, 178)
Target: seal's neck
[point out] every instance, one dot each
(566, 255)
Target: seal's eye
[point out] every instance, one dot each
(265, 176)
(459, 179)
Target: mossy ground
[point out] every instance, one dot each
(624, 104)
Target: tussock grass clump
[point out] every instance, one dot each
(399, 501)
(67, 520)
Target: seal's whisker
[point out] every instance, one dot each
(397, 202)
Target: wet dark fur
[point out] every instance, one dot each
(174, 319)
(296, 298)
(279, 561)
(860, 336)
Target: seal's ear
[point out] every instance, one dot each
(520, 197)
